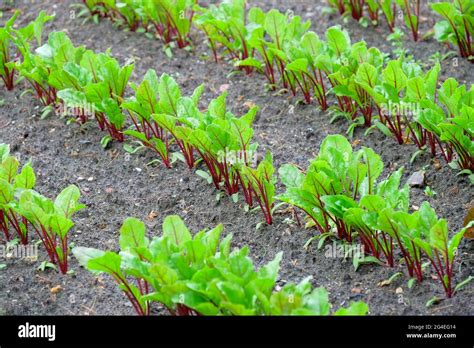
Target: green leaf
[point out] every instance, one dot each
(169, 94)
(463, 283)
(4, 152)
(356, 308)
(338, 204)
(7, 192)
(60, 225)
(108, 262)
(9, 168)
(275, 22)
(132, 234)
(432, 301)
(175, 229)
(84, 255)
(318, 301)
(338, 40)
(67, 201)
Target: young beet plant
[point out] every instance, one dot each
(458, 26)
(339, 4)
(449, 125)
(304, 70)
(92, 84)
(122, 13)
(356, 8)
(225, 25)
(223, 140)
(155, 111)
(7, 73)
(338, 193)
(348, 68)
(389, 9)
(12, 183)
(284, 33)
(437, 246)
(362, 217)
(261, 183)
(412, 12)
(403, 228)
(37, 67)
(200, 276)
(22, 37)
(337, 171)
(51, 220)
(400, 96)
(171, 19)
(275, 37)
(459, 133)
(107, 91)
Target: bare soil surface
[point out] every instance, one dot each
(116, 185)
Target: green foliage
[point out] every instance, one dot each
(14, 42)
(261, 183)
(334, 180)
(87, 83)
(12, 182)
(200, 275)
(340, 192)
(458, 25)
(435, 243)
(51, 220)
(388, 8)
(226, 25)
(157, 111)
(223, 140)
(170, 19)
(41, 68)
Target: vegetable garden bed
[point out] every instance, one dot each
(115, 183)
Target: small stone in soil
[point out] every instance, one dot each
(56, 289)
(417, 179)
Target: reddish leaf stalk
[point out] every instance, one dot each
(56, 247)
(357, 8)
(105, 124)
(414, 26)
(262, 198)
(4, 225)
(16, 223)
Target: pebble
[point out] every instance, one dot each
(417, 179)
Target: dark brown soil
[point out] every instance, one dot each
(124, 185)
